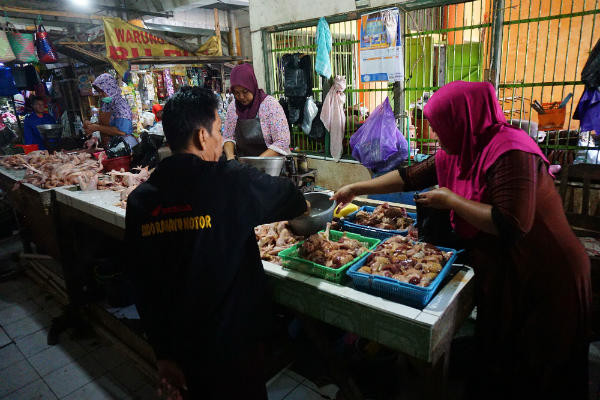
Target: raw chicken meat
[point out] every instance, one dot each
(48, 171)
(385, 217)
(320, 249)
(123, 182)
(273, 238)
(406, 261)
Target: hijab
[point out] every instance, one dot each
(243, 75)
(470, 123)
(118, 107)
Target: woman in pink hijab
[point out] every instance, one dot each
(255, 124)
(532, 273)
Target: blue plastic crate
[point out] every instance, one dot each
(401, 292)
(370, 231)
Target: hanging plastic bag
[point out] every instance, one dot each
(45, 50)
(22, 44)
(310, 112)
(6, 52)
(378, 144)
(7, 82)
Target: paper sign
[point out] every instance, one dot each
(381, 57)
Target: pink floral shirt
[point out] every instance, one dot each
(273, 123)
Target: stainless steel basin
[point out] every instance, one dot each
(269, 165)
(321, 212)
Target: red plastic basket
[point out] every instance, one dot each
(117, 163)
(28, 148)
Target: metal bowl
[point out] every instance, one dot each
(269, 165)
(321, 212)
(50, 130)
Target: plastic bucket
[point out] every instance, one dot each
(117, 163)
(28, 148)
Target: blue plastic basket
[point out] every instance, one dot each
(370, 231)
(401, 292)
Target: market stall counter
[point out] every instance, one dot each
(423, 334)
(35, 208)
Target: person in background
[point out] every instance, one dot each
(115, 114)
(157, 109)
(256, 124)
(31, 134)
(200, 286)
(532, 274)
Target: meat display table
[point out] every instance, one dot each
(422, 334)
(36, 209)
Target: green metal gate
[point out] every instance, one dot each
(543, 47)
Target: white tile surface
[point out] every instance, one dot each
(33, 344)
(438, 305)
(73, 376)
(37, 390)
(4, 339)
(303, 393)
(278, 271)
(281, 387)
(17, 312)
(56, 357)
(9, 355)
(16, 376)
(28, 325)
(427, 319)
(101, 389)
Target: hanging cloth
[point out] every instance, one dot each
(333, 116)
(323, 61)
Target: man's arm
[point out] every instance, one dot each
(272, 198)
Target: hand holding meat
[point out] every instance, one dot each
(343, 196)
(441, 198)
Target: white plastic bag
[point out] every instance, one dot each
(310, 112)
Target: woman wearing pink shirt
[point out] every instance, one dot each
(256, 124)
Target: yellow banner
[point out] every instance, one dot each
(125, 41)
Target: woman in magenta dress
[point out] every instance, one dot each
(532, 274)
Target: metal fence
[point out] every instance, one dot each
(544, 45)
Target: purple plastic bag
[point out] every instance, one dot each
(378, 144)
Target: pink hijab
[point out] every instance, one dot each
(470, 123)
(243, 75)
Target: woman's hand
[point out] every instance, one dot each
(89, 128)
(344, 196)
(441, 198)
(171, 380)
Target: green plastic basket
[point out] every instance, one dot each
(290, 258)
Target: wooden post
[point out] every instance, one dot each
(218, 30)
(238, 46)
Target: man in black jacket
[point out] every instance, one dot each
(196, 266)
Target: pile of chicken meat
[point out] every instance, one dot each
(320, 249)
(273, 238)
(123, 182)
(385, 217)
(48, 171)
(406, 261)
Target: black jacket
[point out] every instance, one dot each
(199, 281)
